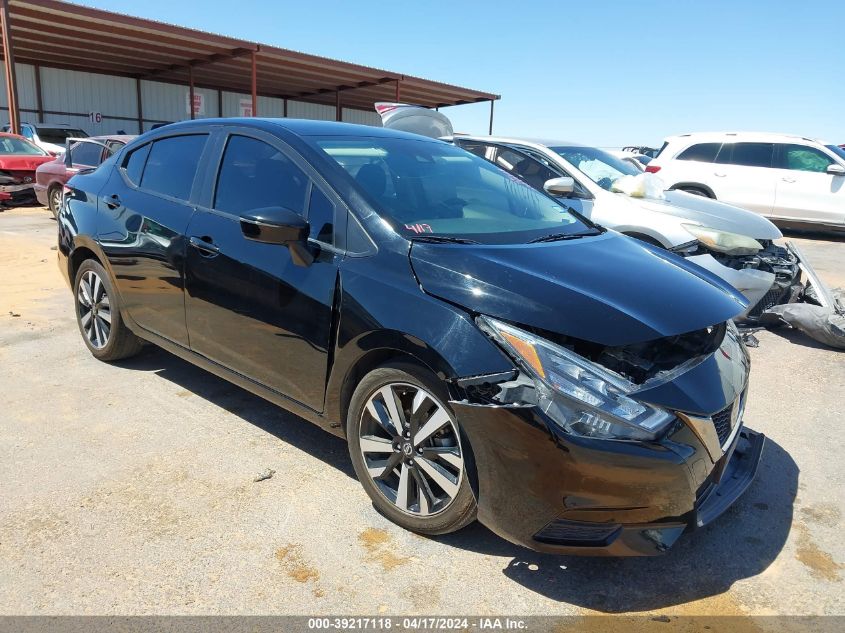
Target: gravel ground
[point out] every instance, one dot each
(129, 489)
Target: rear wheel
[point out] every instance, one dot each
(54, 200)
(407, 450)
(98, 315)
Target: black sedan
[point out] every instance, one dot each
(486, 353)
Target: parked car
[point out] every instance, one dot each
(18, 161)
(643, 150)
(735, 244)
(485, 353)
(50, 137)
(80, 154)
(792, 179)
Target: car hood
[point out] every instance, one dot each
(609, 289)
(711, 213)
(23, 162)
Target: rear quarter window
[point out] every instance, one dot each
(701, 152)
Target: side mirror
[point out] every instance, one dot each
(277, 225)
(559, 187)
(836, 170)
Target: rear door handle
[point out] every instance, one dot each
(113, 201)
(719, 174)
(205, 246)
(788, 179)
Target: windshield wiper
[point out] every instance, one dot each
(559, 237)
(442, 239)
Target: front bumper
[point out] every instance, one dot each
(17, 194)
(561, 494)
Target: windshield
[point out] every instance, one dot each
(600, 167)
(58, 135)
(837, 150)
(12, 145)
(430, 189)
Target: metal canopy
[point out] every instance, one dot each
(68, 36)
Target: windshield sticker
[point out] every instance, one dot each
(419, 228)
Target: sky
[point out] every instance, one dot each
(607, 73)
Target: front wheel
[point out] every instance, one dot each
(407, 450)
(98, 315)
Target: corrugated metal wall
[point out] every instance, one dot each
(105, 104)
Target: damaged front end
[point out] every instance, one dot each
(647, 439)
(779, 261)
(16, 187)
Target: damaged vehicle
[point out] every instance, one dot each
(18, 161)
(485, 353)
(735, 244)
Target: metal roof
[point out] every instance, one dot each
(70, 36)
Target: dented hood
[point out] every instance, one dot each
(23, 162)
(609, 289)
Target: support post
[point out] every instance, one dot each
(398, 98)
(9, 62)
(254, 84)
(338, 110)
(140, 102)
(285, 106)
(39, 101)
(490, 131)
(191, 90)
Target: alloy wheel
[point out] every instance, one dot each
(55, 200)
(94, 309)
(411, 448)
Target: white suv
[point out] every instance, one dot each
(790, 178)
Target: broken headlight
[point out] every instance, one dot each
(723, 241)
(580, 396)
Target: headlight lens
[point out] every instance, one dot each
(723, 241)
(580, 396)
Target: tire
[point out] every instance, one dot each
(429, 460)
(98, 315)
(695, 191)
(54, 200)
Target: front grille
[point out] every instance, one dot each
(722, 422)
(769, 300)
(562, 532)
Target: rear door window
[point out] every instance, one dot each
(254, 175)
(701, 152)
(172, 165)
(803, 158)
(747, 154)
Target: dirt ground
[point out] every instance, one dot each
(129, 489)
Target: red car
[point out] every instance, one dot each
(82, 154)
(19, 159)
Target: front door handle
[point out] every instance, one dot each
(788, 179)
(205, 246)
(719, 174)
(113, 201)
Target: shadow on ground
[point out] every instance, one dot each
(740, 544)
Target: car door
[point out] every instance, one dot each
(250, 307)
(743, 175)
(144, 210)
(805, 191)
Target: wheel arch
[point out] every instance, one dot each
(695, 185)
(375, 349)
